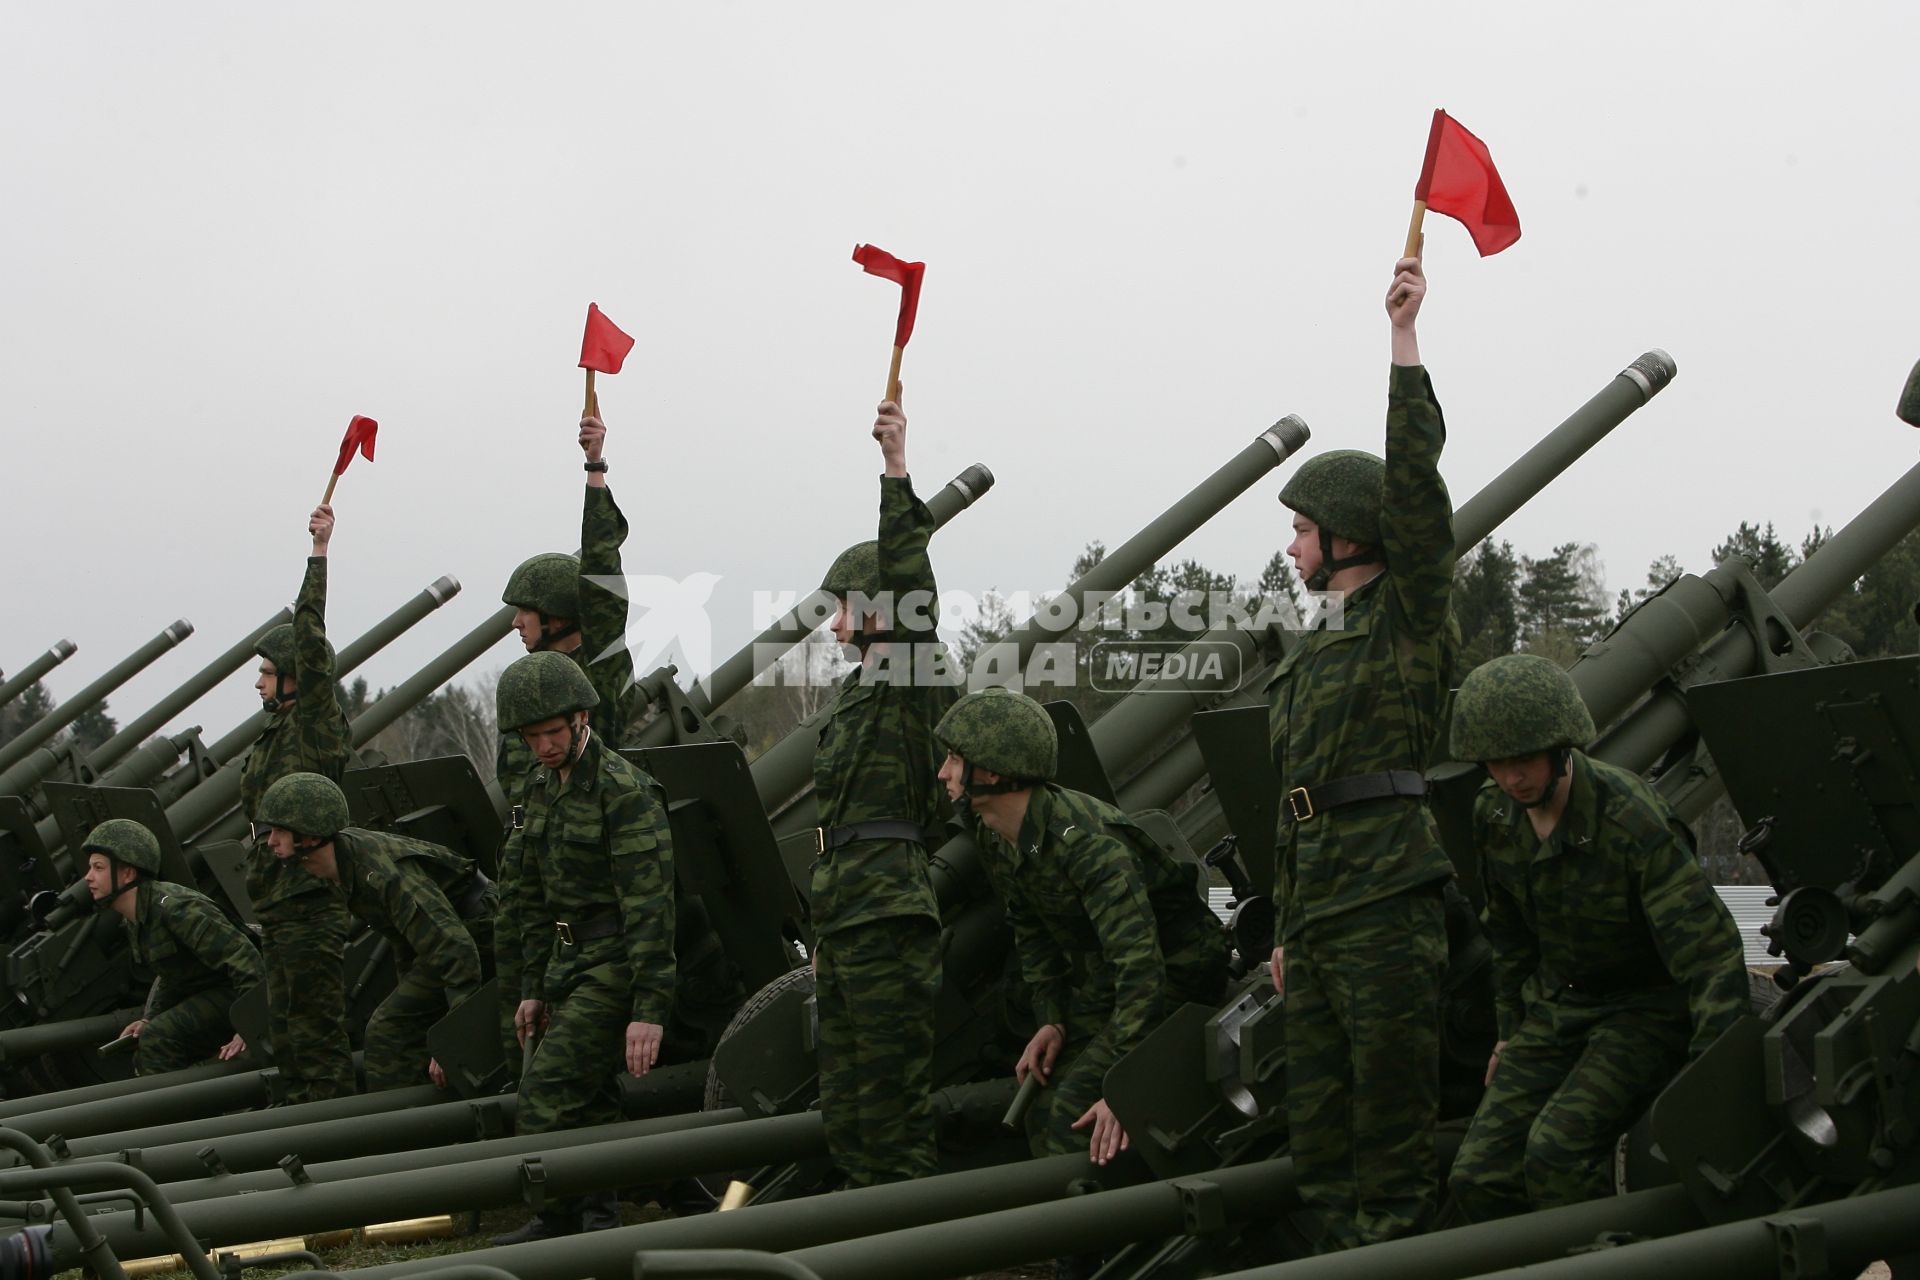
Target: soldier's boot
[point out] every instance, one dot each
(599, 1211)
(545, 1225)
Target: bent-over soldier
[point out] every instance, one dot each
(426, 901)
(1112, 932)
(1614, 959)
(201, 961)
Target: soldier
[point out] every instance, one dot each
(201, 961)
(1112, 933)
(594, 912)
(1613, 957)
(424, 899)
(876, 922)
(1358, 885)
(565, 604)
(303, 926)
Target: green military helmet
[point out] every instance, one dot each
(1001, 730)
(125, 840)
(1340, 491)
(277, 647)
(1518, 705)
(541, 686)
(548, 584)
(857, 569)
(306, 804)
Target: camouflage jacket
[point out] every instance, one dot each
(597, 843)
(181, 936)
(312, 734)
(603, 631)
(1107, 924)
(877, 757)
(1372, 695)
(394, 892)
(1613, 901)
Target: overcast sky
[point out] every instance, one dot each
(1150, 230)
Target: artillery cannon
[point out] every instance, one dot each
(26, 677)
(13, 752)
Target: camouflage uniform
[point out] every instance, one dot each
(1112, 936)
(1613, 960)
(1357, 889)
(390, 883)
(596, 853)
(876, 922)
(304, 924)
(201, 964)
(603, 630)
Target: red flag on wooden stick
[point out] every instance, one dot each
(878, 262)
(1458, 179)
(604, 347)
(360, 434)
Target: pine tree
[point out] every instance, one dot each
(1769, 558)
(1486, 602)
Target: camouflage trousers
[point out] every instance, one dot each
(1574, 1077)
(571, 1080)
(187, 1032)
(1363, 1068)
(1196, 974)
(395, 1050)
(875, 988)
(305, 946)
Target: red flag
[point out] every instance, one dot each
(604, 348)
(360, 433)
(1459, 180)
(878, 262)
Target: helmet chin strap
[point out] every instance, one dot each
(576, 740)
(282, 696)
(963, 803)
(1331, 564)
(1556, 770)
(551, 635)
(113, 873)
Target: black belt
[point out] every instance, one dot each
(1308, 802)
(603, 923)
(826, 838)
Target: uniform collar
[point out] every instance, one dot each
(1039, 819)
(586, 770)
(1579, 822)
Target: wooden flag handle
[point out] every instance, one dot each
(1413, 232)
(893, 375)
(592, 407)
(332, 480)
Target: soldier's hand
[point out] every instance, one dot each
(529, 1018)
(1494, 1061)
(436, 1073)
(232, 1048)
(1040, 1054)
(1279, 974)
(320, 528)
(133, 1028)
(1108, 1139)
(643, 1046)
(890, 429)
(1404, 295)
(593, 437)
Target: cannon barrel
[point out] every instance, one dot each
(1137, 723)
(88, 698)
(24, 776)
(1700, 607)
(13, 1108)
(26, 1043)
(738, 671)
(24, 678)
(782, 773)
(191, 808)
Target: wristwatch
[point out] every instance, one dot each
(600, 466)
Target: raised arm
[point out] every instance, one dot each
(1416, 517)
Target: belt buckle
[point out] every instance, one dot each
(563, 929)
(1297, 798)
(819, 842)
